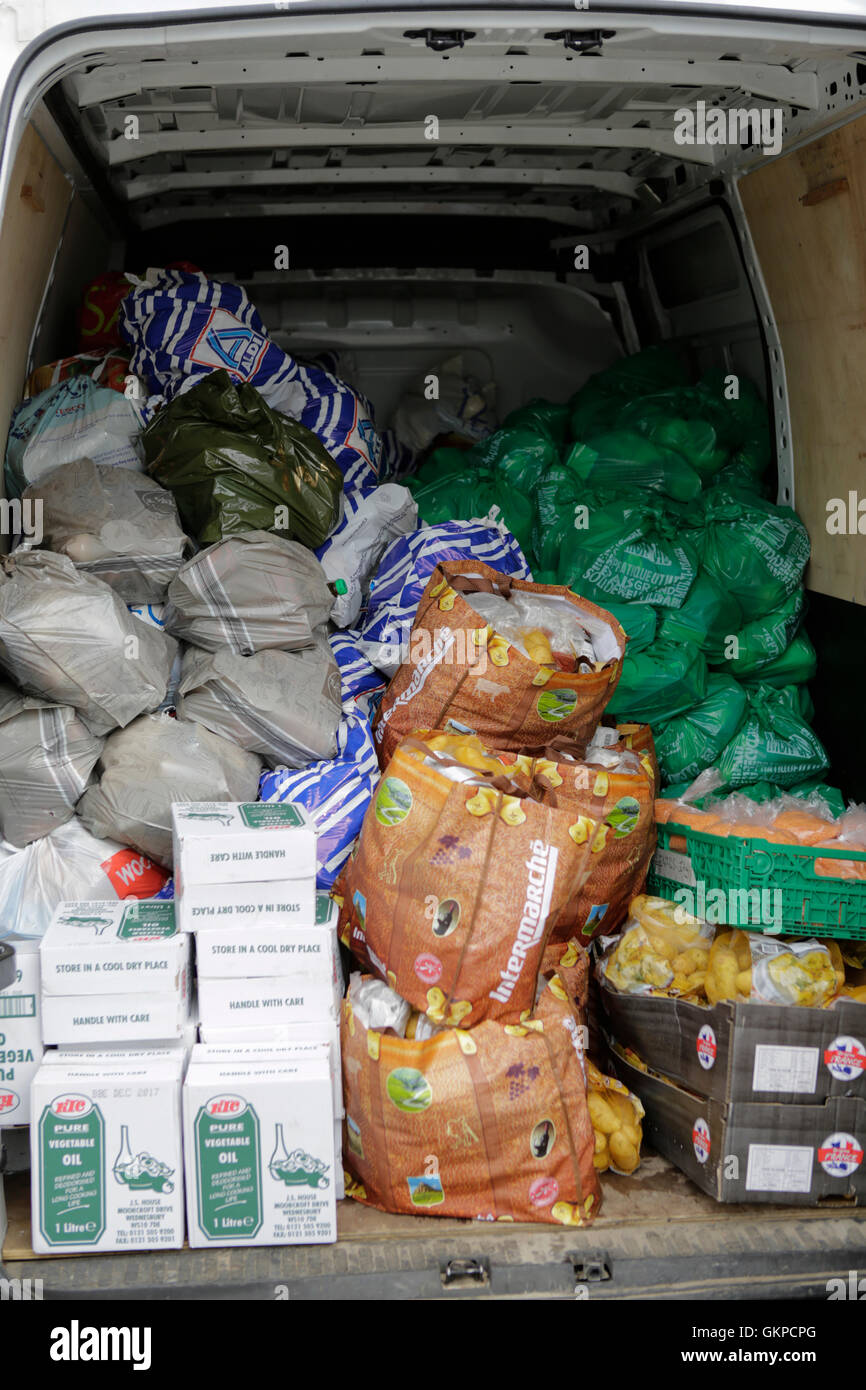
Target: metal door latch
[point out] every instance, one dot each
(440, 40)
(594, 1269)
(465, 1272)
(583, 40)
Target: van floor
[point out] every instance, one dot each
(657, 1236)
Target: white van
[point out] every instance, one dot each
(547, 185)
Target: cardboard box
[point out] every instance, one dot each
(237, 906)
(118, 1018)
(751, 1052)
(106, 1157)
(741, 1151)
(21, 1044)
(247, 842)
(97, 948)
(303, 953)
(288, 1034)
(267, 999)
(259, 1152)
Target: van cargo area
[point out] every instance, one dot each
(518, 189)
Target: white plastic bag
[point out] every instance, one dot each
(372, 519)
(73, 420)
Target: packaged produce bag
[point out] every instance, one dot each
(113, 523)
(773, 743)
(47, 756)
(284, 706)
(156, 761)
(372, 518)
(615, 1115)
(662, 949)
(335, 792)
(456, 885)
(489, 1124)
(74, 419)
(707, 618)
(748, 966)
(69, 639)
(249, 592)
(756, 550)
(463, 671)
(612, 787)
(628, 552)
(403, 573)
(660, 682)
(183, 326)
(695, 740)
(763, 640)
(70, 865)
(234, 465)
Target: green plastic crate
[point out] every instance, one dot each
(810, 903)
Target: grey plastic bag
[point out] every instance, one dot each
(67, 638)
(47, 756)
(114, 523)
(249, 592)
(285, 706)
(154, 762)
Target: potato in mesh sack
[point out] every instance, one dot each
(516, 691)
(662, 950)
(490, 1124)
(615, 1115)
(456, 882)
(610, 787)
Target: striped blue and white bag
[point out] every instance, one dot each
(358, 675)
(404, 570)
(336, 794)
(181, 326)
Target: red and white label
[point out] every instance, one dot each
(845, 1059)
(230, 1106)
(8, 1102)
(71, 1106)
(840, 1155)
(428, 968)
(133, 875)
(701, 1140)
(543, 1192)
(706, 1046)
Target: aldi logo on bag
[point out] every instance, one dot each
(226, 342)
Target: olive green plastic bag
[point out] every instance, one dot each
(756, 550)
(660, 682)
(707, 617)
(624, 459)
(774, 742)
(232, 462)
(763, 641)
(694, 740)
(629, 552)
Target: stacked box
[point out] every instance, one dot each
(21, 1045)
(114, 973)
(106, 1154)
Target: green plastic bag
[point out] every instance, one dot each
(805, 702)
(740, 422)
(626, 460)
(540, 417)
(764, 640)
(556, 497)
(628, 553)
(596, 405)
(669, 420)
(443, 463)
(797, 665)
(756, 550)
(774, 742)
(518, 457)
(232, 462)
(660, 682)
(638, 621)
(813, 786)
(694, 740)
(463, 496)
(707, 617)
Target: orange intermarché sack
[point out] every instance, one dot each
(491, 1124)
(618, 798)
(455, 885)
(462, 675)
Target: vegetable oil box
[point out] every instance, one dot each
(21, 1046)
(287, 1035)
(259, 1152)
(106, 1156)
(237, 863)
(114, 972)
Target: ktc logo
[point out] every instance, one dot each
(225, 1105)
